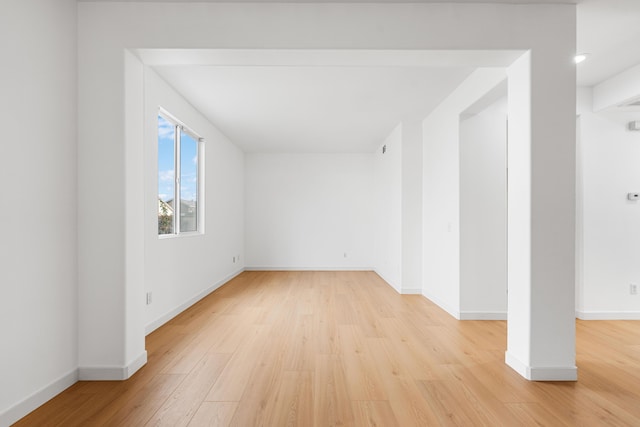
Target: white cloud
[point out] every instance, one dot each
(189, 177)
(165, 129)
(166, 176)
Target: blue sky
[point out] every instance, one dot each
(188, 163)
(188, 167)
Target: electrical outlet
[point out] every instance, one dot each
(234, 260)
(149, 298)
(633, 289)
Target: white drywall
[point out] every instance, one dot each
(38, 288)
(387, 208)
(610, 229)
(308, 211)
(101, 209)
(411, 207)
(441, 187)
(483, 213)
(135, 354)
(548, 30)
(179, 271)
(541, 212)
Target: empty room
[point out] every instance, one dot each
(320, 213)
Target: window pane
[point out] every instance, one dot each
(188, 182)
(166, 176)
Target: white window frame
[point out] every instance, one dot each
(179, 127)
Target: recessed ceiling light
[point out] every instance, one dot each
(580, 57)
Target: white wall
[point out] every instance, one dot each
(441, 186)
(547, 30)
(306, 211)
(38, 288)
(411, 207)
(40, 258)
(483, 213)
(610, 236)
(387, 208)
(180, 271)
(541, 212)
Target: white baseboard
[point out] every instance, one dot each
(385, 280)
(134, 365)
(112, 373)
(532, 373)
(442, 305)
(402, 291)
(152, 326)
(24, 407)
(101, 373)
(483, 315)
(608, 315)
(308, 268)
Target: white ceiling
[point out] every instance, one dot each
(609, 30)
(350, 107)
(311, 109)
(272, 100)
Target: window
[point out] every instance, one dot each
(178, 177)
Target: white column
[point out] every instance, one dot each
(541, 216)
(135, 355)
(110, 182)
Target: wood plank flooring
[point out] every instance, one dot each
(344, 349)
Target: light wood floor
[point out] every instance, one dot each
(343, 348)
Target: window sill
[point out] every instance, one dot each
(181, 235)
